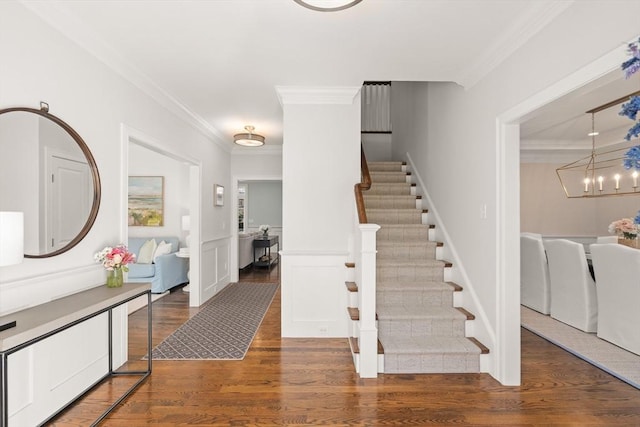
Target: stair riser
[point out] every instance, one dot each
(395, 217)
(389, 177)
(430, 363)
(399, 234)
(421, 328)
(414, 253)
(387, 167)
(391, 202)
(408, 273)
(398, 189)
(416, 298)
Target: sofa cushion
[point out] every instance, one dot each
(162, 249)
(147, 251)
(141, 270)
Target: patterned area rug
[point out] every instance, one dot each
(224, 328)
(618, 362)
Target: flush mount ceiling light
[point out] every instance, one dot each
(327, 5)
(248, 139)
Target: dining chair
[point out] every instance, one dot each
(617, 270)
(534, 273)
(573, 290)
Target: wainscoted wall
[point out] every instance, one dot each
(46, 376)
(314, 297)
(215, 276)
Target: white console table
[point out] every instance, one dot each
(45, 320)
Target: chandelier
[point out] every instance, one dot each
(602, 173)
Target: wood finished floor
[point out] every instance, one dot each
(297, 382)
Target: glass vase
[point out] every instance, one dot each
(114, 278)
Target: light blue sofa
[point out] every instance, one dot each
(167, 271)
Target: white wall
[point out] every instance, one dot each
(321, 164)
(545, 209)
(40, 64)
(263, 202)
(377, 146)
(456, 153)
(145, 162)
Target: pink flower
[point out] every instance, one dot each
(115, 257)
(624, 225)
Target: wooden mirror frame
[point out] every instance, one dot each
(44, 112)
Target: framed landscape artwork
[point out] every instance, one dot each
(146, 201)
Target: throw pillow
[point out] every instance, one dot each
(147, 251)
(162, 249)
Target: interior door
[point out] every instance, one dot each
(69, 200)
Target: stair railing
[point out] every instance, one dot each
(365, 260)
(363, 185)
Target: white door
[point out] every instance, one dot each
(69, 200)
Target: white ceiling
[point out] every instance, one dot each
(220, 60)
(565, 123)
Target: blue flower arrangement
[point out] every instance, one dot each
(631, 108)
(632, 65)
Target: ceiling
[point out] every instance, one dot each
(221, 60)
(564, 123)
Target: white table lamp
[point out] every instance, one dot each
(11, 246)
(11, 238)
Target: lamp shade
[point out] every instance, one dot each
(11, 238)
(186, 223)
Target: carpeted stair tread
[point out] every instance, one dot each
(388, 177)
(402, 232)
(396, 188)
(414, 286)
(434, 263)
(379, 201)
(395, 216)
(409, 312)
(408, 244)
(385, 166)
(436, 344)
(406, 250)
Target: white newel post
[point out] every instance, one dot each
(368, 340)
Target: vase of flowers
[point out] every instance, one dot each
(265, 230)
(115, 260)
(627, 230)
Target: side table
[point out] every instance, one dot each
(185, 255)
(266, 260)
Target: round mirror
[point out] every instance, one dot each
(49, 174)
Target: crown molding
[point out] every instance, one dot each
(344, 95)
(540, 14)
(80, 34)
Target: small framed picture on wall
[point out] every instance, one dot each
(218, 195)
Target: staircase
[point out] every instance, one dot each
(419, 329)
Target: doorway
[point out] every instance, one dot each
(185, 178)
